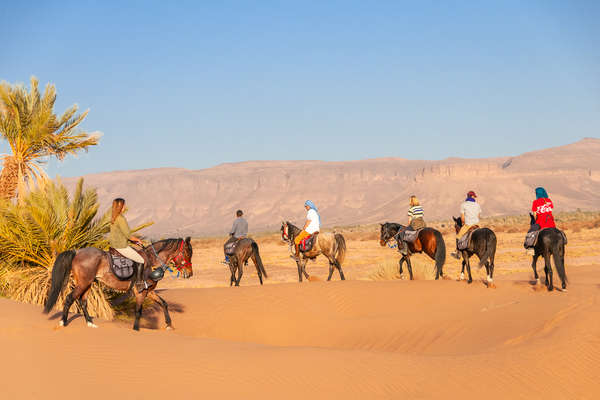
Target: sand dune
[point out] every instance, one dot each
(353, 339)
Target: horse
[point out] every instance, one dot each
(331, 245)
(483, 243)
(429, 241)
(244, 249)
(90, 263)
(550, 241)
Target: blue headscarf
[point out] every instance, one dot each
(540, 193)
(312, 206)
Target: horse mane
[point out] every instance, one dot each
(165, 243)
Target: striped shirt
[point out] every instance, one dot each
(415, 212)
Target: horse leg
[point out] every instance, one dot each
(400, 265)
(548, 269)
(534, 267)
(299, 265)
(330, 270)
(139, 302)
(466, 258)
(304, 268)
(339, 267)
(462, 271)
(240, 273)
(71, 297)
(161, 302)
(409, 266)
(232, 278)
(83, 305)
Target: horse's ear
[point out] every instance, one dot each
(381, 224)
(188, 239)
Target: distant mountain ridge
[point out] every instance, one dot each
(203, 202)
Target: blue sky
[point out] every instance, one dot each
(196, 84)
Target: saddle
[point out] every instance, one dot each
(409, 236)
(307, 243)
(122, 267)
(465, 240)
(532, 237)
(230, 247)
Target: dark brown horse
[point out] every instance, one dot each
(429, 241)
(550, 242)
(483, 243)
(331, 245)
(90, 263)
(245, 249)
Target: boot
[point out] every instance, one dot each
(456, 254)
(140, 283)
(157, 274)
(403, 248)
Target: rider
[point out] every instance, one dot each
(311, 226)
(239, 230)
(120, 235)
(542, 213)
(415, 221)
(470, 211)
(542, 210)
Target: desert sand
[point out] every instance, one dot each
(357, 339)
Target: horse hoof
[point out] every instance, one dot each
(91, 325)
(169, 328)
(61, 323)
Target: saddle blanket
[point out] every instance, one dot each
(532, 237)
(230, 247)
(307, 243)
(410, 236)
(465, 240)
(122, 267)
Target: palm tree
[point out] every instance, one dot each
(46, 222)
(34, 134)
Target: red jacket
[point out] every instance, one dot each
(543, 212)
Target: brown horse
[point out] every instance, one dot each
(244, 249)
(429, 241)
(90, 263)
(331, 245)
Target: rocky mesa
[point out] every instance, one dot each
(203, 202)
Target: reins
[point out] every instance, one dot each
(174, 260)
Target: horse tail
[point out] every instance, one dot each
(558, 253)
(60, 273)
(339, 247)
(259, 263)
(440, 251)
(490, 248)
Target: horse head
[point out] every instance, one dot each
(285, 231)
(457, 223)
(387, 233)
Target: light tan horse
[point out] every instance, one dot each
(331, 245)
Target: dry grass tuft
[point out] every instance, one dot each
(423, 269)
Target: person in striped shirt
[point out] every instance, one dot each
(416, 221)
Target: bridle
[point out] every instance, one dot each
(180, 261)
(284, 232)
(388, 240)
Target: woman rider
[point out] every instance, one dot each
(415, 221)
(119, 238)
(542, 210)
(311, 226)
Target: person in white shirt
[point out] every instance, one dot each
(470, 212)
(311, 226)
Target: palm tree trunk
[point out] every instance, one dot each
(9, 178)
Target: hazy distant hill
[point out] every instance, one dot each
(201, 202)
